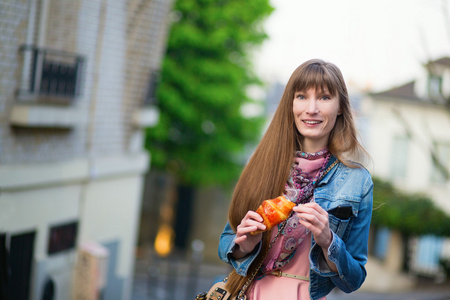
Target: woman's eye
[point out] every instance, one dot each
(325, 98)
(301, 97)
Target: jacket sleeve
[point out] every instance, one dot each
(349, 257)
(226, 246)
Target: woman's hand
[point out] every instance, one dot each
(246, 241)
(315, 218)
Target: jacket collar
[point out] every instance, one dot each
(328, 176)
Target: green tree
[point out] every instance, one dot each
(201, 134)
(411, 214)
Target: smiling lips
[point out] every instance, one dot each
(311, 122)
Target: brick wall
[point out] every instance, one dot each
(21, 26)
(122, 41)
(13, 24)
(147, 28)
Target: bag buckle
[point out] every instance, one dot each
(277, 273)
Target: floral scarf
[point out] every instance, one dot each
(306, 171)
(308, 168)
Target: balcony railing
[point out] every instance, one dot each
(49, 73)
(150, 97)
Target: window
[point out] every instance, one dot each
(49, 77)
(55, 75)
(434, 86)
(62, 237)
(399, 159)
(148, 115)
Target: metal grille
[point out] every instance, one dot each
(150, 97)
(62, 237)
(50, 72)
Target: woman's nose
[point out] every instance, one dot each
(312, 107)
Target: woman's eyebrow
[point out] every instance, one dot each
(324, 91)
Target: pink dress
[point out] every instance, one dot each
(272, 287)
(300, 186)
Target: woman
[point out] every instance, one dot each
(304, 155)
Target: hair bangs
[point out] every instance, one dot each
(316, 76)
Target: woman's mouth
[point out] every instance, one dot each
(311, 122)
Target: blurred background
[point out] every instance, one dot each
(124, 125)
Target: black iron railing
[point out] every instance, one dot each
(150, 97)
(51, 72)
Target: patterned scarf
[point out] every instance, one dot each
(306, 171)
(308, 168)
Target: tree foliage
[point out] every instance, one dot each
(412, 214)
(204, 78)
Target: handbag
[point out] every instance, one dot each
(219, 291)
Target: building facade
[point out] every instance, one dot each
(76, 92)
(407, 132)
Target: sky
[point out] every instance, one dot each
(377, 44)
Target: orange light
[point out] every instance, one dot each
(164, 240)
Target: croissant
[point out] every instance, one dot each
(274, 211)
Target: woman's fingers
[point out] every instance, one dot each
(312, 208)
(253, 215)
(315, 218)
(243, 230)
(312, 212)
(251, 222)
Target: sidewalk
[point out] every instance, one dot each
(180, 280)
(177, 279)
(381, 280)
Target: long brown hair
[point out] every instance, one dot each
(267, 171)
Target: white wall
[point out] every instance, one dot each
(38, 209)
(110, 212)
(427, 123)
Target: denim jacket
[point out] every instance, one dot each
(342, 186)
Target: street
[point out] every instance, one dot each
(182, 281)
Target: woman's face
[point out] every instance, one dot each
(315, 113)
